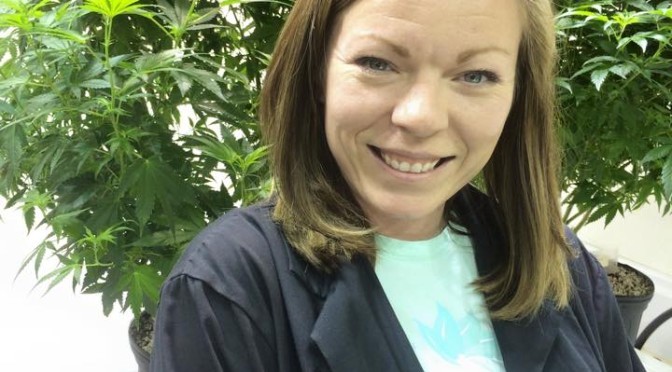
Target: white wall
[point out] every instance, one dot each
(642, 236)
(61, 331)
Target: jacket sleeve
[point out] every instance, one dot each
(198, 329)
(618, 353)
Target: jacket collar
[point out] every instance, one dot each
(356, 328)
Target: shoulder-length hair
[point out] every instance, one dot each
(319, 214)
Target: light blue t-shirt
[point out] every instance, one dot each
(445, 319)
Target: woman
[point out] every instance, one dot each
(376, 254)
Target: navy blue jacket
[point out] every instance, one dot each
(240, 299)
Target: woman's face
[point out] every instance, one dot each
(417, 93)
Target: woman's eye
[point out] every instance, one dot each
(374, 64)
(478, 77)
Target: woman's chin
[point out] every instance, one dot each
(401, 212)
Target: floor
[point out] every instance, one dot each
(63, 331)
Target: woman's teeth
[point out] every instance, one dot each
(408, 167)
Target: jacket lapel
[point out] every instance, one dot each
(356, 330)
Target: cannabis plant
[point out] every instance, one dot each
(616, 106)
(125, 127)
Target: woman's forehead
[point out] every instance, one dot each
(418, 23)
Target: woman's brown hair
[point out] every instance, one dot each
(324, 223)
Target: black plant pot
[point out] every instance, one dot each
(632, 307)
(141, 356)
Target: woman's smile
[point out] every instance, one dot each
(409, 163)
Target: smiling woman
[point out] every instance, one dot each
(376, 254)
(413, 112)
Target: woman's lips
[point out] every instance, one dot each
(409, 164)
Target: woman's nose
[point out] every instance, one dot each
(423, 110)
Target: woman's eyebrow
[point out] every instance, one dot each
(464, 56)
(396, 48)
(471, 53)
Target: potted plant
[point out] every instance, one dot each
(125, 127)
(615, 93)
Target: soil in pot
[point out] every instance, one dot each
(627, 282)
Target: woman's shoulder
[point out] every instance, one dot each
(233, 251)
(592, 293)
(587, 274)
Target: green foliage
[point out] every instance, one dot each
(615, 91)
(125, 127)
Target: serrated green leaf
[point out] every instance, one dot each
(56, 276)
(144, 283)
(623, 42)
(661, 38)
(114, 61)
(42, 101)
(145, 202)
(7, 108)
(602, 211)
(29, 217)
(12, 140)
(621, 70)
(584, 70)
(56, 158)
(39, 258)
(643, 43)
(165, 238)
(169, 12)
(55, 43)
(610, 216)
(204, 26)
(150, 282)
(14, 81)
(107, 300)
(205, 15)
(131, 176)
(112, 8)
(667, 177)
(601, 60)
(207, 79)
(598, 77)
(151, 180)
(149, 63)
(183, 82)
(563, 83)
(657, 153)
(64, 221)
(220, 151)
(76, 277)
(95, 84)
(234, 2)
(34, 253)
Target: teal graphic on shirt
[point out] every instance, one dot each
(428, 284)
(465, 338)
